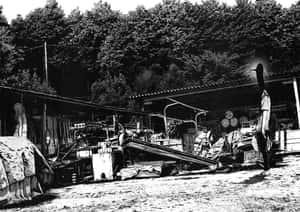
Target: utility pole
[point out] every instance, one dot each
(44, 139)
(46, 62)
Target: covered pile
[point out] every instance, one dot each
(18, 170)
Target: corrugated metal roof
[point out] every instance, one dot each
(213, 85)
(68, 100)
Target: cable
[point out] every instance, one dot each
(56, 45)
(33, 48)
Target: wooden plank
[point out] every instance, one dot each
(168, 152)
(293, 134)
(295, 86)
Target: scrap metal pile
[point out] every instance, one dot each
(73, 162)
(135, 153)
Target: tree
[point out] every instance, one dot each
(42, 24)
(7, 53)
(10, 58)
(77, 54)
(146, 41)
(46, 24)
(171, 45)
(87, 34)
(3, 20)
(114, 90)
(211, 67)
(25, 80)
(290, 36)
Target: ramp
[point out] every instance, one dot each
(168, 152)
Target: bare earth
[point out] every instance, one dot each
(250, 190)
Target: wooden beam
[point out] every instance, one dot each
(295, 85)
(187, 105)
(168, 152)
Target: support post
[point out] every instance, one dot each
(196, 120)
(93, 116)
(165, 117)
(44, 124)
(295, 85)
(44, 142)
(22, 99)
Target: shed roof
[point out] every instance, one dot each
(213, 86)
(61, 99)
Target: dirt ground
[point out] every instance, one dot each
(249, 190)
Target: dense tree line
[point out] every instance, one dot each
(171, 45)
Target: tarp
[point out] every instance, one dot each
(18, 180)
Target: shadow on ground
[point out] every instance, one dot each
(254, 179)
(36, 200)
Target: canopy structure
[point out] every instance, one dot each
(242, 93)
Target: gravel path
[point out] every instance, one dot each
(251, 190)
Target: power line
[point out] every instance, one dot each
(60, 46)
(32, 48)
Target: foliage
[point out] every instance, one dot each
(25, 80)
(211, 67)
(87, 34)
(174, 44)
(10, 59)
(47, 24)
(113, 90)
(3, 21)
(7, 50)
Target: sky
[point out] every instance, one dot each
(13, 7)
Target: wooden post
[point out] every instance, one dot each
(115, 124)
(22, 99)
(166, 124)
(297, 99)
(44, 142)
(44, 124)
(93, 116)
